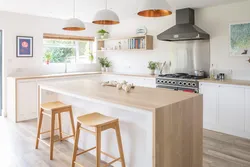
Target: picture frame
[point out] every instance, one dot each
(239, 39)
(24, 46)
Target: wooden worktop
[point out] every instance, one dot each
(23, 77)
(131, 75)
(140, 97)
(227, 81)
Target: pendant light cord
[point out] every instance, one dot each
(106, 4)
(74, 8)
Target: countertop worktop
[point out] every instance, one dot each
(133, 75)
(38, 76)
(140, 97)
(227, 81)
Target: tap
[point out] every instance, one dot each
(66, 67)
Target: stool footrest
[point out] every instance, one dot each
(64, 138)
(44, 142)
(86, 151)
(90, 131)
(78, 164)
(48, 131)
(44, 113)
(108, 164)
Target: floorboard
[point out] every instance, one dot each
(17, 149)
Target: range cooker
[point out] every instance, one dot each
(179, 82)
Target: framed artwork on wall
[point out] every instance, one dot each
(24, 46)
(240, 39)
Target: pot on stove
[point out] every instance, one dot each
(199, 73)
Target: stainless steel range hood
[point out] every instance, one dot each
(184, 29)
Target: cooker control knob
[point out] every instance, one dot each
(180, 83)
(184, 83)
(169, 82)
(174, 82)
(194, 84)
(161, 81)
(189, 84)
(165, 81)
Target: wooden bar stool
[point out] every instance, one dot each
(100, 123)
(54, 108)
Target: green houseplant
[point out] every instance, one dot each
(91, 57)
(102, 33)
(47, 57)
(102, 61)
(152, 66)
(108, 64)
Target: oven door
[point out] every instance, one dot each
(167, 87)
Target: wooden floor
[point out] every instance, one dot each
(17, 149)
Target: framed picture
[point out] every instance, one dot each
(240, 39)
(24, 46)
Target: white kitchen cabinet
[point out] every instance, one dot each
(247, 109)
(209, 92)
(231, 109)
(226, 108)
(27, 100)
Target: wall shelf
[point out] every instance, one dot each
(132, 43)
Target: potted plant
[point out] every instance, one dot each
(102, 61)
(152, 66)
(108, 64)
(102, 34)
(47, 57)
(91, 57)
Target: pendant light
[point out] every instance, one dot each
(74, 24)
(106, 17)
(155, 8)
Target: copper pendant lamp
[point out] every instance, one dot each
(106, 17)
(154, 8)
(74, 24)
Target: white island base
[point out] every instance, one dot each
(162, 137)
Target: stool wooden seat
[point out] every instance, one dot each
(100, 123)
(53, 108)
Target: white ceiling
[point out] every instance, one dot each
(86, 9)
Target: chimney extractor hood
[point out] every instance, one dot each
(184, 29)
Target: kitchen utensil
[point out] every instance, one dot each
(199, 73)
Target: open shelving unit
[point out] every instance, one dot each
(132, 43)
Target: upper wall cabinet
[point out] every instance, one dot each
(135, 43)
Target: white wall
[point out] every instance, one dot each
(14, 24)
(215, 20)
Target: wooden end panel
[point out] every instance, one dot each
(179, 134)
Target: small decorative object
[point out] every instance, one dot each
(120, 86)
(103, 34)
(152, 67)
(120, 45)
(102, 61)
(240, 39)
(47, 57)
(108, 64)
(24, 46)
(141, 31)
(91, 57)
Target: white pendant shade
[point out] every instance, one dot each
(74, 24)
(106, 17)
(154, 8)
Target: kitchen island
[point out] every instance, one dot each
(159, 127)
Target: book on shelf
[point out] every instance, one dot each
(136, 43)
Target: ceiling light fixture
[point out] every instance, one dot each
(106, 17)
(155, 8)
(74, 24)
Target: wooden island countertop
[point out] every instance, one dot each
(176, 118)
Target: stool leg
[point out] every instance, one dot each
(52, 135)
(72, 121)
(76, 144)
(60, 126)
(98, 147)
(119, 141)
(40, 120)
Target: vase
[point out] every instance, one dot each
(107, 69)
(152, 72)
(103, 69)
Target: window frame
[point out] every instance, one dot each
(77, 40)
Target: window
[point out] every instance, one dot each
(67, 50)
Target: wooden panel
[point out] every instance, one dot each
(149, 42)
(178, 134)
(67, 37)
